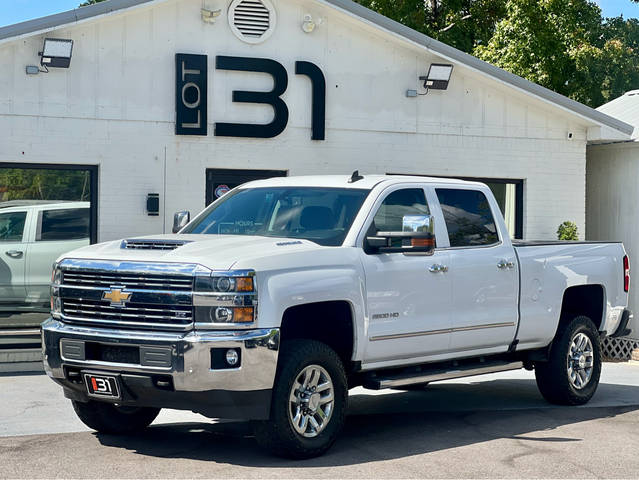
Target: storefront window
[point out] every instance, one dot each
(506, 195)
(44, 213)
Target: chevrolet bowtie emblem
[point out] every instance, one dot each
(116, 296)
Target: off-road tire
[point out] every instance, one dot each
(108, 418)
(552, 376)
(277, 434)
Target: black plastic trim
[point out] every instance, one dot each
(622, 329)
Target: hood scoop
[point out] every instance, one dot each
(142, 244)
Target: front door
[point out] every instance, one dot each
(12, 258)
(221, 180)
(59, 229)
(483, 269)
(408, 300)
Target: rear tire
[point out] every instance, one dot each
(571, 375)
(309, 400)
(109, 418)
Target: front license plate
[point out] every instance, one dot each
(101, 385)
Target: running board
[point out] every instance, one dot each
(389, 381)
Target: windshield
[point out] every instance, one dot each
(322, 215)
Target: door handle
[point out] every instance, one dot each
(503, 264)
(438, 268)
(14, 253)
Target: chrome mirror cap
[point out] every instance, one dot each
(180, 219)
(417, 236)
(418, 224)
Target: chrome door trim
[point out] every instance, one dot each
(439, 332)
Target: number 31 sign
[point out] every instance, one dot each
(191, 96)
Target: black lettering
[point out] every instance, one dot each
(190, 94)
(272, 98)
(318, 85)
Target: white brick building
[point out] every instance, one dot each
(115, 108)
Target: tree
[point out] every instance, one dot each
(566, 46)
(36, 184)
(90, 2)
(460, 23)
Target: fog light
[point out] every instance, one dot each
(223, 314)
(232, 357)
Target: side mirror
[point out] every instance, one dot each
(417, 236)
(180, 219)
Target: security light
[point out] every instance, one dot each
(56, 53)
(438, 76)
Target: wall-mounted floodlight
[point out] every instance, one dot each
(56, 53)
(438, 76)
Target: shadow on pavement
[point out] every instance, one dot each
(397, 425)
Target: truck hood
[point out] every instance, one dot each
(217, 252)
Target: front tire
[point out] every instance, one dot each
(571, 375)
(109, 418)
(309, 401)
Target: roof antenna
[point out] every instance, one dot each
(355, 177)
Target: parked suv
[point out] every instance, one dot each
(32, 235)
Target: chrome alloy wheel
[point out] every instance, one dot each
(311, 401)
(580, 361)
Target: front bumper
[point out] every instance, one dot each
(171, 370)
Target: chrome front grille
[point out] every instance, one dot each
(157, 296)
(135, 313)
(87, 278)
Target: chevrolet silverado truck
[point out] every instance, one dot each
(285, 293)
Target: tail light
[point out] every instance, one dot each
(626, 273)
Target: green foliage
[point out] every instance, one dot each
(564, 45)
(90, 2)
(460, 23)
(567, 231)
(36, 184)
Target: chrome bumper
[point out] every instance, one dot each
(185, 357)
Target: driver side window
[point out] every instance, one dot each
(390, 215)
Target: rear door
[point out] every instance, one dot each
(483, 268)
(13, 234)
(58, 230)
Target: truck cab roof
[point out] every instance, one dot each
(367, 182)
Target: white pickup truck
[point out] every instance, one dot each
(285, 293)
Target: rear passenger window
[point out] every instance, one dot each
(67, 224)
(469, 221)
(12, 226)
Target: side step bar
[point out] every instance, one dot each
(400, 380)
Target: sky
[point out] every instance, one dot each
(14, 11)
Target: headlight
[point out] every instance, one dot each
(225, 298)
(56, 275)
(224, 284)
(56, 302)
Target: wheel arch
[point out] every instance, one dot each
(588, 300)
(336, 324)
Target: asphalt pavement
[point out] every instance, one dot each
(493, 426)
